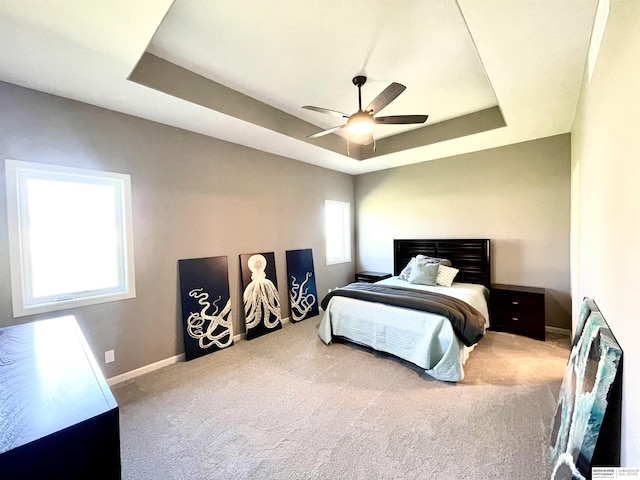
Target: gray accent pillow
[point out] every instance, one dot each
(441, 261)
(406, 271)
(423, 273)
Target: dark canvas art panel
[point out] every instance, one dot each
(587, 421)
(206, 305)
(303, 295)
(260, 294)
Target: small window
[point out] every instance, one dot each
(337, 231)
(597, 32)
(70, 237)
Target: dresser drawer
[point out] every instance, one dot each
(517, 309)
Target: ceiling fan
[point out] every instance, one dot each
(362, 121)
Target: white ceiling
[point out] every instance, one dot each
(526, 56)
(291, 60)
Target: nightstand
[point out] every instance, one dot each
(517, 309)
(371, 277)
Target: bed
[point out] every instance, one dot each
(437, 341)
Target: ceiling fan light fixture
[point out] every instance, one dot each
(360, 123)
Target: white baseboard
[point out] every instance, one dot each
(559, 331)
(165, 363)
(146, 369)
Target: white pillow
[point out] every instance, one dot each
(446, 275)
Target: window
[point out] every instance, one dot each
(70, 237)
(597, 32)
(337, 231)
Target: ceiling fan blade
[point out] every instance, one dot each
(401, 119)
(327, 111)
(326, 132)
(387, 96)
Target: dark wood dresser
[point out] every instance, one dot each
(58, 418)
(518, 309)
(371, 277)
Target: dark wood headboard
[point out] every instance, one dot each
(470, 256)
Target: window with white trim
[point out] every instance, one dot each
(70, 237)
(337, 231)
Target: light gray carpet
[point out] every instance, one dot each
(285, 406)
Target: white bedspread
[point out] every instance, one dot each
(422, 338)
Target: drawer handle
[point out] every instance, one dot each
(514, 303)
(515, 319)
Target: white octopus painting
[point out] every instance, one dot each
(261, 299)
(206, 305)
(303, 295)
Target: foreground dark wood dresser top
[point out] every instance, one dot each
(518, 309)
(58, 418)
(371, 277)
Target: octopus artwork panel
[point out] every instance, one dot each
(586, 428)
(303, 294)
(260, 296)
(206, 305)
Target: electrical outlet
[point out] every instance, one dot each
(109, 356)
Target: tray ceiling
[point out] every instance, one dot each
(488, 73)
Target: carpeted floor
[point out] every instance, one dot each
(285, 406)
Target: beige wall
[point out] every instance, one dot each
(193, 196)
(518, 196)
(606, 210)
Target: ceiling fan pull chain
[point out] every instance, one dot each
(348, 154)
(374, 141)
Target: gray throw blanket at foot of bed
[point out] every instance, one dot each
(468, 323)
